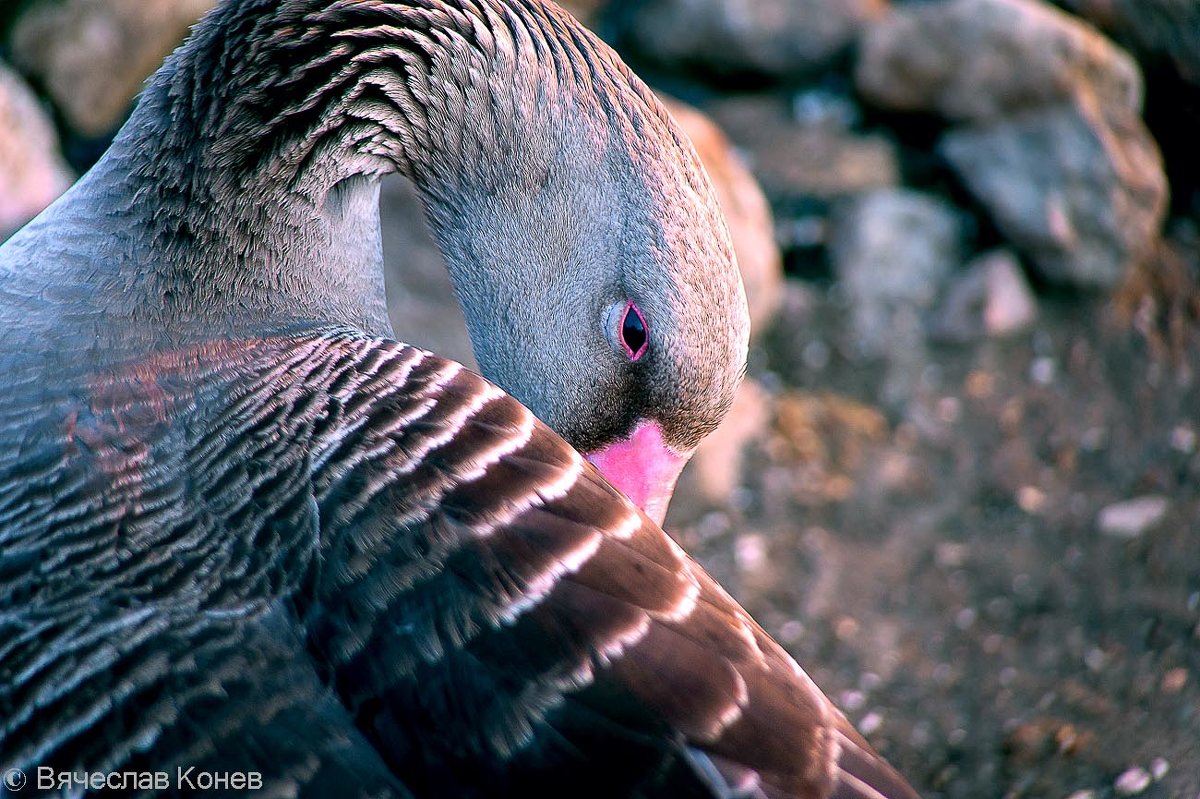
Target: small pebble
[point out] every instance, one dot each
(1022, 585)
(1094, 438)
(1183, 439)
(1095, 659)
(805, 231)
(931, 377)
(980, 385)
(1031, 499)
(1042, 371)
(1000, 608)
(949, 409)
(741, 498)
(751, 552)
(791, 631)
(920, 736)
(1133, 517)
(1159, 767)
(1133, 781)
(943, 673)
(771, 382)
(1010, 305)
(950, 555)
(870, 722)
(1082, 795)
(1067, 738)
(1174, 680)
(846, 628)
(852, 700)
(713, 524)
(1043, 343)
(815, 355)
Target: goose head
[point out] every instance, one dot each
(594, 268)
(609, 304)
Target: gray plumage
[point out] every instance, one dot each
(241, 528)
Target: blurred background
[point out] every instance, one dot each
(962, 482)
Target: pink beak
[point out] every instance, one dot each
(642, 467)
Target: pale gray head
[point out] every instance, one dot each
(568, 205)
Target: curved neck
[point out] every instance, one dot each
(259, 142)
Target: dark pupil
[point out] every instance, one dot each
(633, 332)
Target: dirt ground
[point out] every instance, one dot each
(939, 566)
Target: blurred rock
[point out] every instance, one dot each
(1133, 781)
(1133, 517)
(819, 157)
(420, 295)
(93, 55)
(1162, 28)
(715, 471)
(891, 252)
(1056, 151)
(775, 38)
(980, 60)
(32, 173)
(1078, 187)
(990, 298)
(746, 212)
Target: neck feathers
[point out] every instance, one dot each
(305, 92)
(247, 175)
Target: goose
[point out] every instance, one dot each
(250, 541)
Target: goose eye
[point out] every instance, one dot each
(634, 338)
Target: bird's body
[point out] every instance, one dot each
(243, 530)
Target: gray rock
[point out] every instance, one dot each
(991, 297)
(974, 60)
(1009, 304)
(1078, 187)
(1133, 781)
(891, 252)
(93, 55)
(1133, 517)
(777, 38)
(32, 173)
(806, 158)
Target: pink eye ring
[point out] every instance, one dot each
(634, 333)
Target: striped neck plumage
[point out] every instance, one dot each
(259, 144)
(304, 92)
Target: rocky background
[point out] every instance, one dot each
(961, 481)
